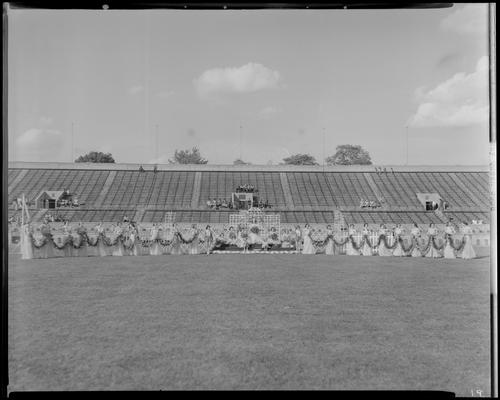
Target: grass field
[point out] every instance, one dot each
(249, 322)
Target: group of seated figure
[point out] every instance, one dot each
(217, 204)
(368, 204)
(382, 170)
(53, 218)
(69, 202)
(155, 169)
(262, 204)
(246, 188)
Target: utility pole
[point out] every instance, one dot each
(324, 140)
(156, 142)
(240, 141)
(72, 142)
(406, 144)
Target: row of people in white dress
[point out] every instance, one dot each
(465, 250)
(173, 240)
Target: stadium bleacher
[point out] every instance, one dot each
(299, 195)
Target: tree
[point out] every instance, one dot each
(300, 159)
(239, 161)
(192, 156)
(96, 157)
(348, 154)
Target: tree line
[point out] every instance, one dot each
(345, 154)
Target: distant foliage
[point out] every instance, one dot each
(192, 156)
(96, 157)
(241, 162)
(348, 154)
(300, 159)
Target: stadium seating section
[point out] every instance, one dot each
(305, 196)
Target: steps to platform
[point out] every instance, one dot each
(441, 216)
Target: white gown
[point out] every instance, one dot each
(118, 247)
(209, 240)
(432, 252)
(398, 251)
(350, 251)
(155, 248)
(468, 251)
(101, 246)
(415, 232)
(253, 238)
(382, 250)
(298, 240)
(366, 250)
(308, 244)
(330, 249)
(449, 252)
(26, 245)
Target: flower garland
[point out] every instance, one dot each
(38, 245)
(408, 250)
(164, 242)
(423, 245)
(89, 240)
(67, 241)
(147, 242)
(82, 238)
(77, 243)
(437, 247)
(384, 238)
(357, 246)
(188, 240)
(342, 242)
(449, 239)
(369, 242)
(128, 244)
(112, 242)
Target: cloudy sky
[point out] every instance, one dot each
(266, 83)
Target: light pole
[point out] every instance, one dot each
(406, 144)
(72, 142)
(240, 141)
(324, 140)
(156, 142)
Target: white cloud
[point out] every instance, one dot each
(39, 145)
(471, 19)
(248, 78)
(135, 89)
(459, 101)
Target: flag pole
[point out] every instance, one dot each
(406, 144)
(22, 211)
(324, 139)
